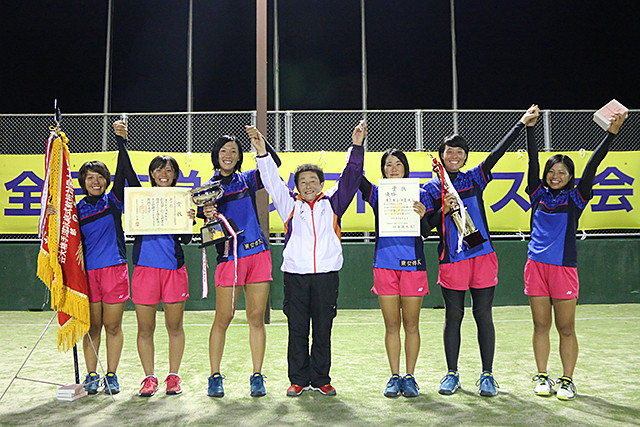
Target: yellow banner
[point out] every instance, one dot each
(616, 192)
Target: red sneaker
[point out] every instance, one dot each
(149, 386)
(327, 390)
(173, 384)
(295, 390)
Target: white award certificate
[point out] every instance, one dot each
(157, 210)
(396, 217)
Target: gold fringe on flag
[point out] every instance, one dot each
(67, 280)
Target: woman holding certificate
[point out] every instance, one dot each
(400, 281)
(551, 273)
(252, 271)
(467, 259)
(160, 275)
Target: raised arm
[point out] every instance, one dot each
(366, 188)
(508, 139)
(124, 169)
(533, 171)
(268, 169)
(352, 174)
(589, 174)
(265, 147)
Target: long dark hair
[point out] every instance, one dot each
(396, 153)
(217, 146)
(159, 162)
(566, 160)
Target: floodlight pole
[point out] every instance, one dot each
(107, 77)
(454, 68)
(262, 198)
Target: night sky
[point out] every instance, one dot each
(559, 54)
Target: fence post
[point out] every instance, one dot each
(288, 145)
(418, 121)
(547, 131)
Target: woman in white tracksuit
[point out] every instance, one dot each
(312, 257)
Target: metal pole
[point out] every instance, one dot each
(454, 68)
(190, 78)
(547, 131)
(75, 363)
(107, 77)
(262, 198)
(363, 48)
(276, 74)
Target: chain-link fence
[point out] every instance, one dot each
(300, 131)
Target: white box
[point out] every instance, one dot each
(602, 116)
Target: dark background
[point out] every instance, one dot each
(559, 54)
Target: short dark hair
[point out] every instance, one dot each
(566, 160)
(159, 162)
(308, 167)
(93, 166)
(217, 146)
(396, 153)
(454, 140)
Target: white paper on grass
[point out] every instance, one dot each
(396, 217)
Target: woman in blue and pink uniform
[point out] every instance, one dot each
(400, 281)
(253, 263)
(472, 268)
(160, 275)
(551, 273)
(105, 259)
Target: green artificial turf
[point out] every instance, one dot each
(607, 375)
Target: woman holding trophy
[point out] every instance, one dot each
(551, 273)
(251, 270)
(467, 260)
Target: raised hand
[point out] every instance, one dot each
(120, 127)
(530, 117)
(616, 120)
(359, 133)
(256, 140)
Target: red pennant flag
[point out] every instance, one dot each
(61, 258)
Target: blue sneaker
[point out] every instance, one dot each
(410, 386)
(257, 385)
(450, 383)
(487, 384)
(92, 383)
(215, 385)
(111, 385)
(394, 386)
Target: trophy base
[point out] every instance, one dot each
(216, 232)
(474, 239)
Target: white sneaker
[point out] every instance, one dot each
(567, 390)
(544, 386)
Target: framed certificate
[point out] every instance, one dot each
(396, 217)
(157, 210)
